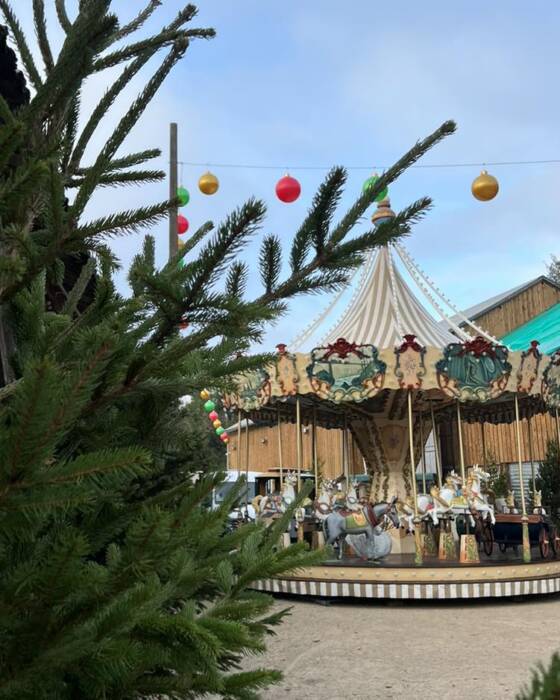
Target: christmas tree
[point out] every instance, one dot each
(116, 581)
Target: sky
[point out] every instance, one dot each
(320, 83)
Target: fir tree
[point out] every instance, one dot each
(545, 682)
(548, 480)
(116, 581)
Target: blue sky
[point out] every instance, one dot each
(320, 83)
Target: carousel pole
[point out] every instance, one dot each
(436, 445)
(247, 460)
(531, 458)
(238, 444)
(483, 441)
(298, 442)
(418, 558)
(524, 518)
(345, 452)
(422, 452)
(314, 452)
(280, 455)
(461, 450)
(469, 551)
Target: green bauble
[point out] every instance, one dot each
(220, 431)
(370, 182)
(209, 406)
(183, 196)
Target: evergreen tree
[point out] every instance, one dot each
(545, 682)
(548, 480)
(553, 269)
(116, 581)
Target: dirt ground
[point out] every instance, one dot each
(378, 650)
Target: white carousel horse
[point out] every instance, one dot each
(451, 497)
(324, 501)
(352, 500)
(476, 499)
(275, 504)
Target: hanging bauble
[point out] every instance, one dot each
(209, 406)
(208, 183)
(213, 415)
(224, 437)
(217, 423)
(485, 187)
(370, 182)
(288, 189)
(220, 431)
(182, 224)
(204, 394)
(183, 196)
(180, 243)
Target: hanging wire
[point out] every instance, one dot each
(425, 166)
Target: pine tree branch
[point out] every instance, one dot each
(64, 22)
(41, 30)
(123, 128)
(134, 177)
(123, 223)
(270, 262)
(138, 21)
(21, 43)
(166, 38)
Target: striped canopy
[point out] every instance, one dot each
(385, 310)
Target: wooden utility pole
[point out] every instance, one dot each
(173, 184)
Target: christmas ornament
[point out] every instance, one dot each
(370, 182)
(224, 437)
(209, 406)
(288, 189)
(485, 187)
(183, 196)
(183, 325)
(204, 394)
(217, 423)
(220, 431)
(182, 224)
(213, 415)
(208, 183)
(180, 243)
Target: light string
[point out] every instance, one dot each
(424, 166)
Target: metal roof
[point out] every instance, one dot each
(545, 328)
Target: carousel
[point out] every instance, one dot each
(393, 377)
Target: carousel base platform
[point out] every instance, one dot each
(397, 577)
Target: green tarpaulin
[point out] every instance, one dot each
(545, 328)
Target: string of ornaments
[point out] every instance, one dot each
(213, 417)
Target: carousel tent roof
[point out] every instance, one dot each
(385, 309)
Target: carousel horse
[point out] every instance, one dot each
(352, 500)
(451, 497)
(424, 506)
(273, 505)
(324, 503)
(368, 522)
(474, 493)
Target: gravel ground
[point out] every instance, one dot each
(394, 650)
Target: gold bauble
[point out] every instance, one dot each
(204, 395)
(485, 187)
(383, 212)
(208, 183)
(217, 423)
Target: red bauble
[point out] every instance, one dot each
(182, 224)
(224, 437)
(213, 416)
(288, 189)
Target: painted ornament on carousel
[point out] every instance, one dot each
(183, 196)
(182, 224)
(208, 183)
(370, 182)
(288, 189)
(485, 187)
